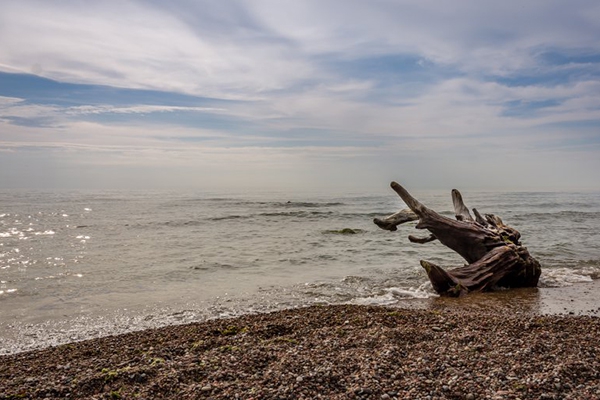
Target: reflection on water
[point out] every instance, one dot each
(516, 301)
(578, 299)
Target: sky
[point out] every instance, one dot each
(310, 95)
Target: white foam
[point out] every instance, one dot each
(424, 291)
(384, 299)
(394, 294)
(559, 277)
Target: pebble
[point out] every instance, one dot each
(312, 358)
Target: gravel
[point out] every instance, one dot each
(328, 352)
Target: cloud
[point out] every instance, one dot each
(240, 50)
(322, 85)
(129, 44)
(139, 109)
(9, 100)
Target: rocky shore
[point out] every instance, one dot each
(329, 352)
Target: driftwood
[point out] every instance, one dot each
(495, 256)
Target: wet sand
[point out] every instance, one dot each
(578, 299)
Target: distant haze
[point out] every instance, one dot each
(300, 95)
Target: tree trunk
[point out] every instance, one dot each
(493, 251)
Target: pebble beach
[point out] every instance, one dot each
(329, 352)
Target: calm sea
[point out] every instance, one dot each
(75, 265)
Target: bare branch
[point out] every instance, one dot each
(421, 240)
(391, 222)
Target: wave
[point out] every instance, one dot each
(295, 213)
(286, 214)
(393, 295)
(583, 271)
(243, 202)
(213, 266)
(233, 217)
(230, 217)
(559, 214)
(305, 204)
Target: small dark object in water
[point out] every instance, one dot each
(345, 231)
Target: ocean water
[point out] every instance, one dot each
(76, 265)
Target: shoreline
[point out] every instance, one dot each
(335, 351)
(577, 299)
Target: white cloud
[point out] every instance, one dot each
(129, 44)
(133, 44)
(140, 109)
(288, 61)
(481, 36)
(4, 101)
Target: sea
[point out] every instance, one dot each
(80, 264)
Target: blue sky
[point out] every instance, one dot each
(325, 95)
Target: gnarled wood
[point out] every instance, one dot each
(492, 249)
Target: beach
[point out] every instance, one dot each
(465, 348)
(144, 296)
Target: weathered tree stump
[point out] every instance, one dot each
(495, 256)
